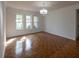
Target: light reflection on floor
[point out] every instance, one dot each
(9, 41)
(18, 47)
(19, 44)
(23, 38)
(42, 45)
(28, 44)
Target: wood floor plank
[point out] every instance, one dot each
(41, 45)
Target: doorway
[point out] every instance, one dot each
(77, 24)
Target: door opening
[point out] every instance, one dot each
(77, 24)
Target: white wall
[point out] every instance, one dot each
(2, 29)
(62, 22)
(11, 22)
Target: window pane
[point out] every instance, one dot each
(28, 22)
(29, 25)
(36, 25)
(35, 19)
(28, 19)
(19, 21)
(19, 24)
(18, 17)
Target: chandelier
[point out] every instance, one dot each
(43, 11)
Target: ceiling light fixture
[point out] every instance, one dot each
(43, 11)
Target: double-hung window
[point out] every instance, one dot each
(28, 22)
(19, 22)
(35, 21)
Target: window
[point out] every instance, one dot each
(28, 22)
(19, 23)
(35, 21)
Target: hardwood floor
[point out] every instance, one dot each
(41, 45)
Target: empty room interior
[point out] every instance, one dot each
(39, 29)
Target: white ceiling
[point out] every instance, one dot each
(37, 5)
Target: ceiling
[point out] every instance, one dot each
(37, 5)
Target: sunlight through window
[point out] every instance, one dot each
(19, 22)
(28, 22)
(36, 21)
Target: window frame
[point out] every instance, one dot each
(17, 22)
(36, 22)
(28, 22)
